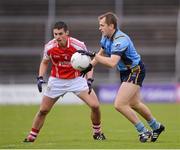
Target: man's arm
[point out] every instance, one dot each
(108, 61)
(43, 67)
(89, 75)
(94, 61)
(42, 70)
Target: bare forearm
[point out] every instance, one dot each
(90, 74)
(108, 61)
(94, 61)
(43, 68)
(104, 60)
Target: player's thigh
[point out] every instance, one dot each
(136, 99)
(90, 99)
(125, 93)
(47, 103)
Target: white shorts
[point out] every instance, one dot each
(58, 87)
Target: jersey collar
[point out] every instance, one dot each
(67, 44)
(112, 37)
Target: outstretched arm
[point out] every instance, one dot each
(108, 61)
(101, 53)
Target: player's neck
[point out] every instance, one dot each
(63, 45)
(112, 33)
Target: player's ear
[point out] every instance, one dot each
(111, 26)
(67, 32)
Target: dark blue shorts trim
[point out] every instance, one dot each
(135, 75)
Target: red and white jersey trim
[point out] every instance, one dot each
(51, 44)
(77, 44)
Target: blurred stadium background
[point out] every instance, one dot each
(25, 26)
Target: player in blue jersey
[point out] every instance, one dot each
(117, 49)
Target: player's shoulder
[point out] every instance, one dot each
(120, 37)
(77, 43)
(51, 44)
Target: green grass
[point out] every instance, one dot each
(69, 127)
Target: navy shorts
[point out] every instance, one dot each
(135, 75)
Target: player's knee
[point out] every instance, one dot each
(95, 107)
(118, 107)
(43, 112)
(135, 106)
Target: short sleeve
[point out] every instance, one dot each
(84, 46)
(45, 53)
(119, 46)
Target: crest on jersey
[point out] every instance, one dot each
(117, 45)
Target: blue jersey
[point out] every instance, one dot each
(120, 44)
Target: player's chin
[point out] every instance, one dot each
(58, 40)
(103, 33)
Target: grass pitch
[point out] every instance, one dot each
(69, 127)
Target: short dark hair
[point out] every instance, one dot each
(111, 18)
(60, 25)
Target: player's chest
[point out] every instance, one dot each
(62, 54)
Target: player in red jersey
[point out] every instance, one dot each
(64, 79)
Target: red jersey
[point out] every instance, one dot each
(61, 57)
